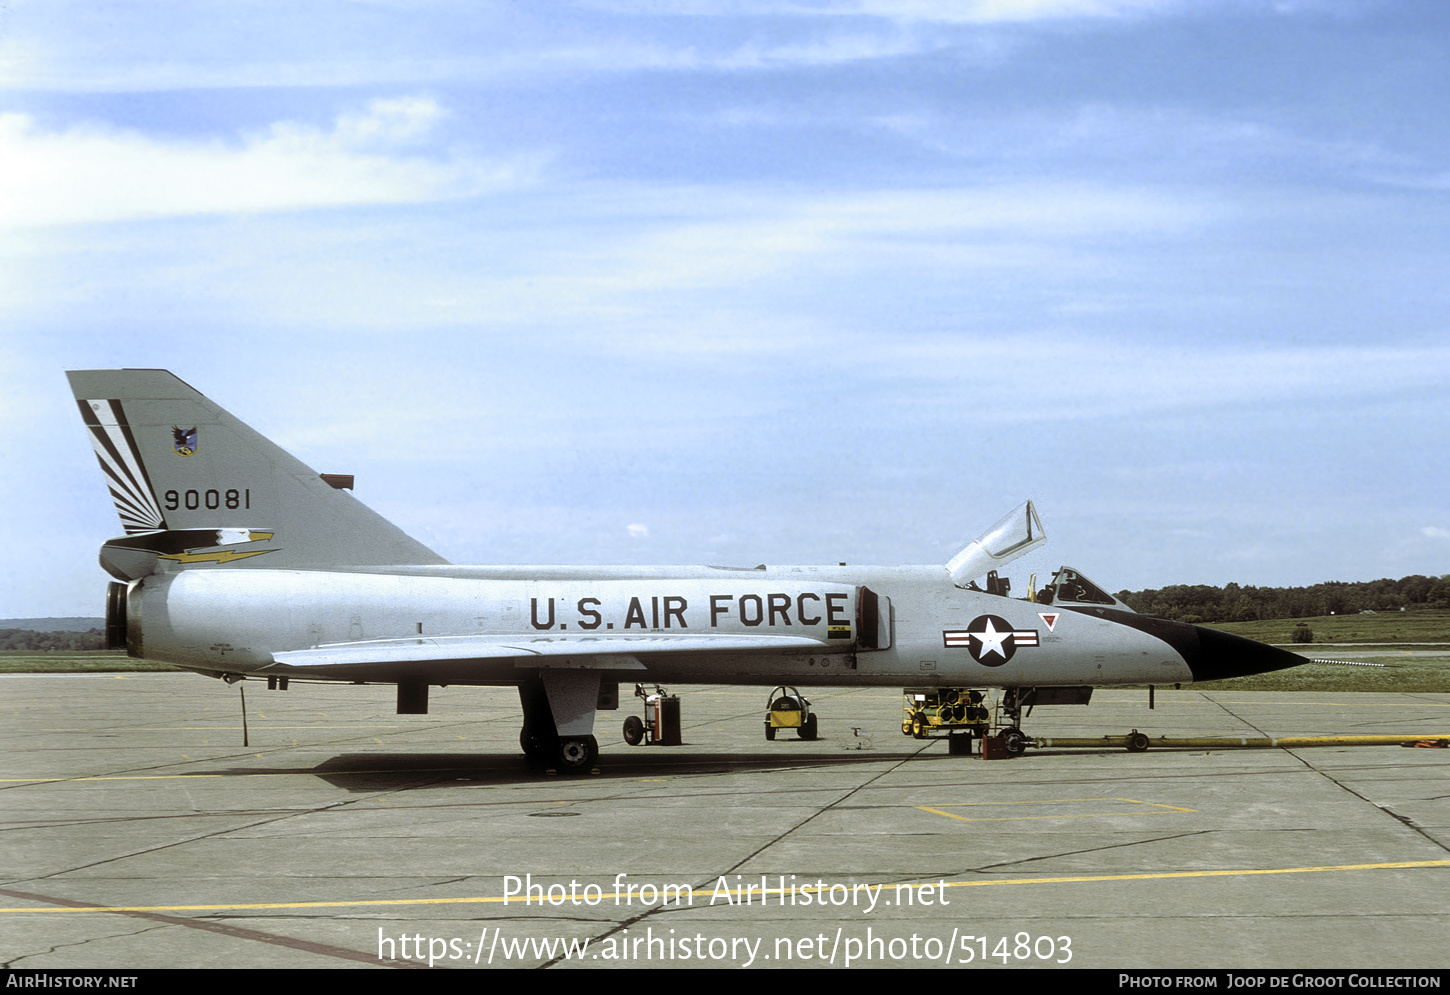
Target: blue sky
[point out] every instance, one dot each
(741, 282)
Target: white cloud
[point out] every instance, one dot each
(1090, 378)
(626, 256)
(753, 240)
(1435, 532)
(127, 46)
(91, 173)
(638, 531)
(1151, 139)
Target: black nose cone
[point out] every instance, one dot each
(1221, 655)
(1211, 655)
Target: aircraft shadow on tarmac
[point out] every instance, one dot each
(365, 772)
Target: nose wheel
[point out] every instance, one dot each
(1014, 741)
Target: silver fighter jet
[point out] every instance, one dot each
(240, 562)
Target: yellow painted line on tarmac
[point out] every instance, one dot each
(1161, 809)
(1358, 705)
(634, 893)
(1202, 874)
(1241, 741)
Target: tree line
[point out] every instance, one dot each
(1235, 603)
(29, 639)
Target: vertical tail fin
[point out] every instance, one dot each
(196, 487)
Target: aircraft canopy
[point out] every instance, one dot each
(1019, 531)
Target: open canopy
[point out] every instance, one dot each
(1017, 532)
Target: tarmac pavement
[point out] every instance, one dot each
(138, 832)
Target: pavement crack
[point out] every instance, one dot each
(1078, 853)
(1236, 715)
(233, 829)
(447, 881)
(824, 809)
(15, 964)
(625, 924)
(1403, 819)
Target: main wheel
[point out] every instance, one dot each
(959, 744)
(1137, 742)
(577, 754)
(634, 730)
(808, 727)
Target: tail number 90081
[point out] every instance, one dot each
(232, 499)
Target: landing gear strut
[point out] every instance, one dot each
(537, 748)
(1014, 741)
(538, 738)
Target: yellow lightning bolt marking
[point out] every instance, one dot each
(220, 556)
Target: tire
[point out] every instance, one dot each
(1014, 742)
(576, 754)
(1137, 742)
(959, 744)
(919, 725)
(808, 728)
(634, 730)
(769, 733)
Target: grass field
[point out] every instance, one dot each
(1382, 627)
(1428, 674)
(1423, 669)
(1380, 638)
(78, 662)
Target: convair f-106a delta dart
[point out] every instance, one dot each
(240, 562)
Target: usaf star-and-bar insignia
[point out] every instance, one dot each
(990, 639)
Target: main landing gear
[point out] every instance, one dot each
(540, 739)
